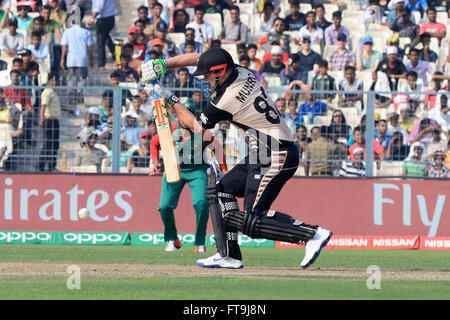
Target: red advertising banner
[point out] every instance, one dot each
(435, 243)
(367, 207)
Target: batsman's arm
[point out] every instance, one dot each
(153, 69)
(183, 60)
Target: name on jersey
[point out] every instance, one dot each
(247, 88)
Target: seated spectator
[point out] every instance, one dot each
(394, 127)
(155, 19)
(295, 20)
(51, 27)
(292, 117)
(413, 166)
(217, 6)
(59, 14)
(241, 49)
(413, 88)
(382, 85)
(367, 59)
(10, 41)
(131, 129)
(407, 118)
(264, 21)
(40, 51)
(348, 89)
(280, 104)
(216, 43)
(301, 140)
(342, 57)
(397, 150)
(189, 35)
(321, 22)
(332, 32)
(16, 95)
(146, 103)
(8, 114)
(276, 34)
(354, 168)
(197, 103)
(124, 158)
(394, 68)
(143, 14)
(381, 134)
(268, 55)
(124, 71)
(189, 47)
(114, 81)
(394, 41)
(372, 13)
(180, 20)
(441, 111)
(135, 107)
(319, 153)
(93, 124)
(405, 27)
(141, 157)
(140, 26)
(274, 66)
(423, 69)
(184, 80)
(169, 47)
(204, 31)
(255, 63)
(436, 168)
(89, 154)
(244, 61)
(426, 53)
(417, 5)
(297, 86)
(339, 126)
(432, 27)
(311, 30)
(107, 110)
(312, 108)
(309, 59)
(427, 132)
(395, 12)
(138, 48)
(128, 50)
(22, 18)
(292, 72)
(234, 31)
(324, 82)
(360, 142)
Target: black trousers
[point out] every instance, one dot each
(104, 28)
(259, 184)
(50, 147)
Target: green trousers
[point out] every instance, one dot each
(197, 180)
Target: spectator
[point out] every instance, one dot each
(319, 154)
(89, 154)
(184, 81)
(413, 166)
(169, 47)
(324, 82)
(276, 34)
(59, 15)
(244, 61)
(394, 41)
(296, 19)
(22, 18)
(93, 124)
(381, 134)
(396, 149)
(204, 31)
(350, 89)
(407, 118)
(103, 15)
(8, 115)
(135, 107)
(4, 15)
(292, 117)
(255, 63)
(138, 48)
(180, 20)
(280, 104)
(417, 5)
(382, 85)
(432, 27)
(394, 68)
(264, 21)
(50, 114)
(143, 14)
(367, 58)
(217, 6)
(131, 128)
(321, 21)
(189, 35)
(394, 127)
(167, 13)
(234, 31)
(309, 59)
(372, 14)
(312, 108)
(268, 55)
(360, 142)
(426, 53)
(196, 103)
(241, 49)
(301, 141)
(405, 27)
(354, 168)
(274, 66)
(413, 88)
(39, 50)
(77, 55)
(124, 158)
(140, 26)
(339, 126)
(190, 48)
(126, 73)
(395, 11)
(292, 72)
(141, 157)
(77, 7)
(425, 132)
(342, 57)
(10, 41)
(150, 29)
(15, 95)
(128, 49)
(436, 168)
(311, 30)
(114, 81)
(424, 70)
(50, 26)
(441, 112)
(332, 32)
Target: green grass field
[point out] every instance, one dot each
(128, 272)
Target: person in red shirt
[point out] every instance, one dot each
(434, 28)
(17, 95)
(358, 137)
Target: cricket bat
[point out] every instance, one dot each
(169, 153)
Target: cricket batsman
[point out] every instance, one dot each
(193, 170)
(272, 158)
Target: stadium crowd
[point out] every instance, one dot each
(396, 48)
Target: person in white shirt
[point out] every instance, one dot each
(424, 70)
(10, 41)
(441, 111)
(204, 31)
(311, 30)
(38, 50)
(413, 87)
(264, 21)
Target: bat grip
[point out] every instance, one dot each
(155, 94)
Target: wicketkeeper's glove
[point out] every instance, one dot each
(153, 69)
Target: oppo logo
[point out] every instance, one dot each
(91, 238)
(24, 236)
(154, 238)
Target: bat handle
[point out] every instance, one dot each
(155, 94)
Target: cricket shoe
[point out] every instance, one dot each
(217, 261)
(200, 249)
(314, 246)
(173, 245)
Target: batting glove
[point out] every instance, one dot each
(154, 69)
(162, 92)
